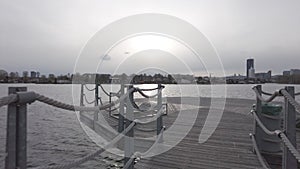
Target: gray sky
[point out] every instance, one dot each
(48, 35)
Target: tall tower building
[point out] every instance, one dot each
(250, 64)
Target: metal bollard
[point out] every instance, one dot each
(16, 135)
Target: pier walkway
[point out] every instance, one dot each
(229, 147)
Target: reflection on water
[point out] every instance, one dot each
(65, 92)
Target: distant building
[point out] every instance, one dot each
(235, 79)
(14, 75)
(264, 77)
(286, 73)
(295, 72)
(251, 73)
(3, 73)
(25, 74)
(33, 74)
(249, 65)
(3, 76)
(51, 76)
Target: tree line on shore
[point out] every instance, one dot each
(91, 78)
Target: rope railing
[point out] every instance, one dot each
(147, 96)
(23, 98)
(92, 155)
(271, 98)
(115, 94)
(290, 99)
(65, 106)
(87, 101)
(262, 126)
(157, 88)
(281, 135)
(266, 93)
(290, 155)
(259, 156)
(104, 91)
(289, 145)
(36, 96)
(136, 107)
(89, 88)
(8, 99)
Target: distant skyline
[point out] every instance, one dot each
(47, 36)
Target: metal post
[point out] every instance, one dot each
(110, 93)
(81, 95)
(96, 104)
(289, 161)
(96, 94)
(129, 139)
(159, 125)
(122, 109)
(257, 130)
(16, 136)
(81, 98)
(167, 109)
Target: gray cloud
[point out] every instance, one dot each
(49, 35)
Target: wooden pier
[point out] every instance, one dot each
(229, 147)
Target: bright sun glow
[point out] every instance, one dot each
(145, 42)
(128, 48)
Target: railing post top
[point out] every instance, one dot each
(289, 87)
(26, 97)
(259, 87)
(14, 90)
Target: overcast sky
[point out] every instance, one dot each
(48, 35)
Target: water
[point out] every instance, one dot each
(55, 136)
(242, 91)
